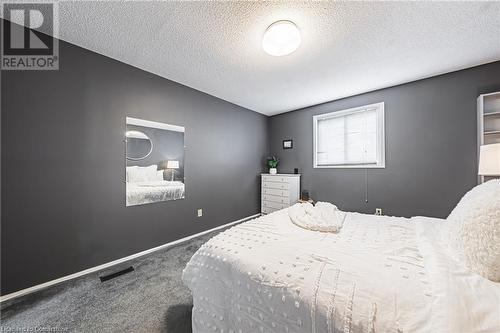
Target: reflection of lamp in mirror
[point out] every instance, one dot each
(173, 165)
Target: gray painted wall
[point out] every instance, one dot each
(63, 165)
(430, 146)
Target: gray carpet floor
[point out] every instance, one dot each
(150, 299)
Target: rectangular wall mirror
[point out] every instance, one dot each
(155, 162)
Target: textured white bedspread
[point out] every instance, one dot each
(269, 275)
(139, 193)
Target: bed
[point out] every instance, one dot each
(143, 192)
(378, 274)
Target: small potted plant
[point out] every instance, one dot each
(272, 163)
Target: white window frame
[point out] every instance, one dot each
(380, 136)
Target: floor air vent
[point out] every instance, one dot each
(116, 274)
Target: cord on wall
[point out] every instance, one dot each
(366, 185)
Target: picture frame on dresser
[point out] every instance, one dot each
(279, 191)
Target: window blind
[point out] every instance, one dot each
(348, 139)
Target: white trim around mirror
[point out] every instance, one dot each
(153, 124)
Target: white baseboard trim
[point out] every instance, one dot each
(115, 262)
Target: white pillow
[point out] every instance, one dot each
(129, 170)
(159, 175)
(474, 230)
(142, 174)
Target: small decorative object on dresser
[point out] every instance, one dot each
(272, 163)
(311, 201)
(304, 195)
(279, 191)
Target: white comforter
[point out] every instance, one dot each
(139, 193)
(376, 275)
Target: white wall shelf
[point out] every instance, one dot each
(492, 114)
(488, 122)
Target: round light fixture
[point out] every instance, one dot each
(281, 38)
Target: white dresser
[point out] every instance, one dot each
(278, 191)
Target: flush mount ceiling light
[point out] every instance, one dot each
(281, 38)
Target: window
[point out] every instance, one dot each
(352, 138)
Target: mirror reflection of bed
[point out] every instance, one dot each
(155, 162)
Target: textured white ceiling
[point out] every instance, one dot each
(347, 47)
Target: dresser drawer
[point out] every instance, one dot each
(275, 205)
(275, 185)
(275, 198)
(274, 191)
(275, 179)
